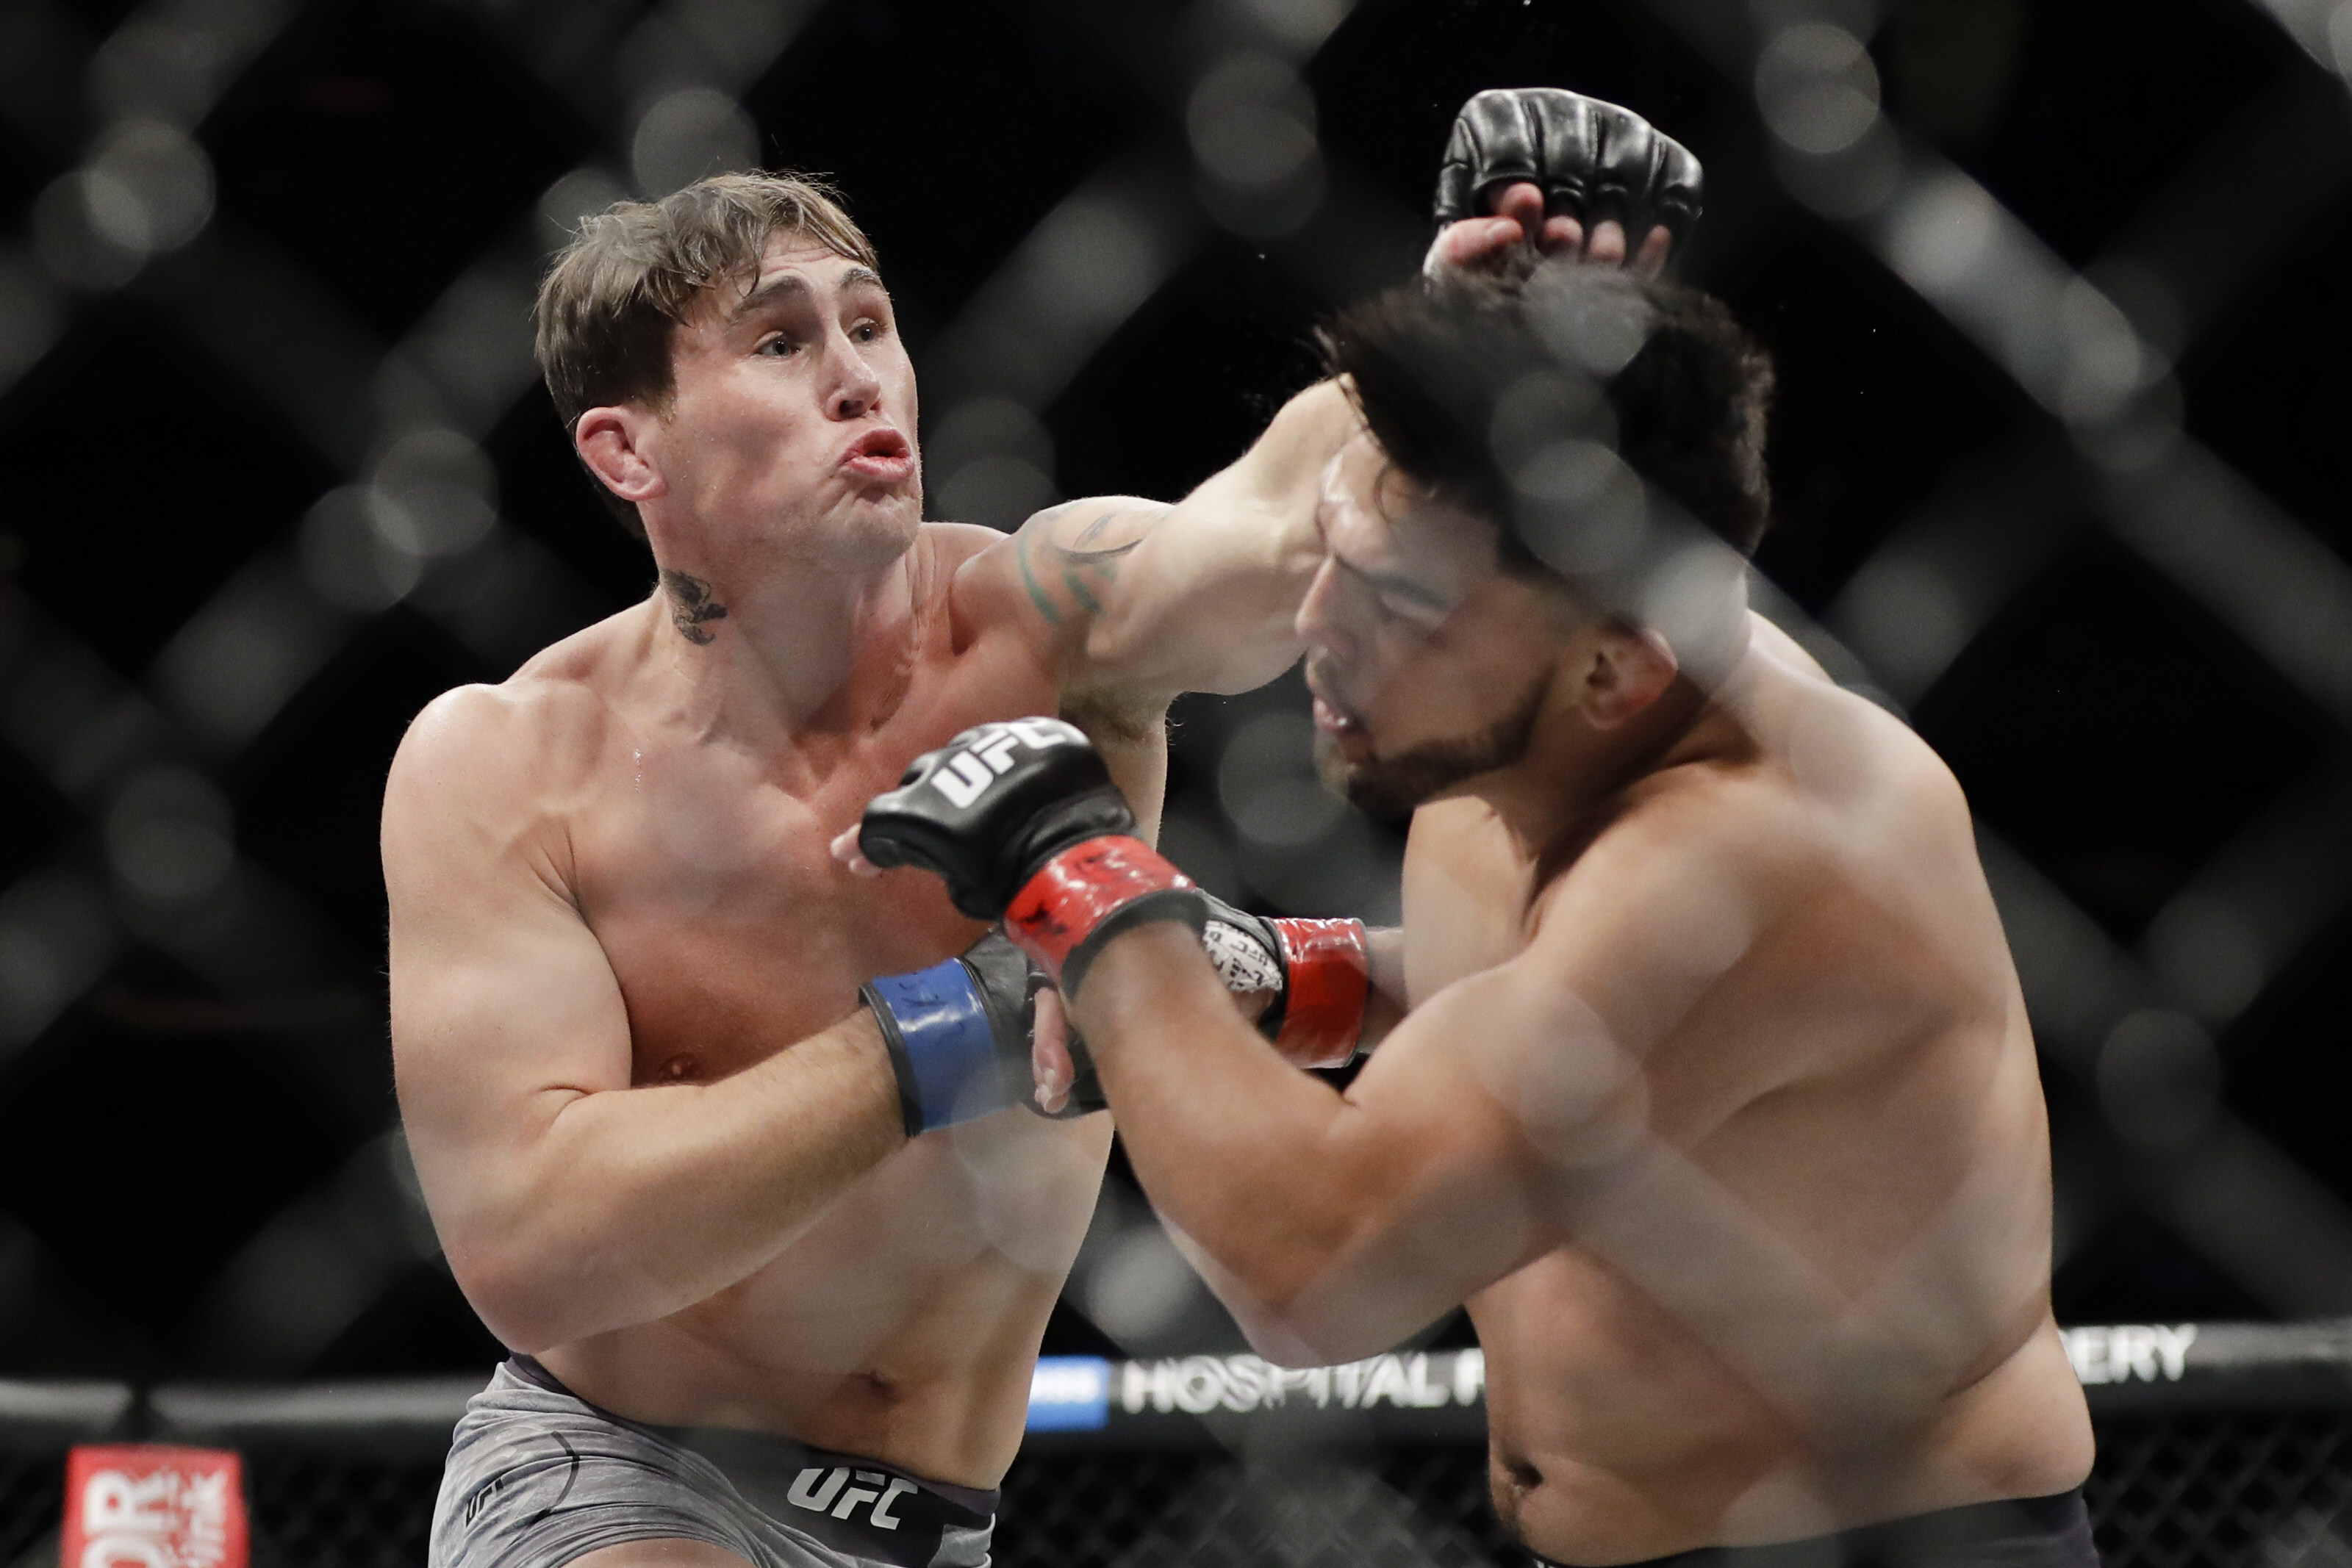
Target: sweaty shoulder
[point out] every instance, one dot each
(1818, 785)
(1830, 775)
(475, 738)
(1838, 829)
(973, 566)
(1870, 793)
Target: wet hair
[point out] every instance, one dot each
(608, 305)
(1502, 392)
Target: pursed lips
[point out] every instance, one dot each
(881, 454)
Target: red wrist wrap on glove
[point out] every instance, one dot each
(1330, 977)
(1060, 910)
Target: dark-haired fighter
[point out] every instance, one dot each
(1716, 1102)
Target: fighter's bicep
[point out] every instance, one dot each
(499, 1006)
(1208, 600)
(1537, 1074)
(503, 1001)
(1065, 563)
(492, 1040)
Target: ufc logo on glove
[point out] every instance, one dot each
(963, 774)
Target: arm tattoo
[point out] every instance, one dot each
(691, 605)
(1081, 556)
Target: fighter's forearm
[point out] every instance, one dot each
(1248, 1157)
(637, 1202)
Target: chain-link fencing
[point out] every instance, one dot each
(284, 473)
(2220, 1446)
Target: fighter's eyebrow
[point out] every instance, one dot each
(780, 288)
(788, 285)
(1395, 586)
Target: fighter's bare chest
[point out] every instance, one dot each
(707, 873)
(1464, 896)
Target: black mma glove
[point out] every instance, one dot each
(1023, 822)
(1318, 970)
(1593, 160)
(959, 1036)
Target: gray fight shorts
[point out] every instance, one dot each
(538, 1477)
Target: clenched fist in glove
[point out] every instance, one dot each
(1317, 973)
(1023, 822)
(959, 1034)
(1555, 167)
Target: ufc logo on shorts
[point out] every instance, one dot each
(817, 1489)
(962, 777)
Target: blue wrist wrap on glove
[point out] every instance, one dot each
(942, 1043)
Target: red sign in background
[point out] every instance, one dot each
(144, 1505)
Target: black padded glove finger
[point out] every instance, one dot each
(1593, 160)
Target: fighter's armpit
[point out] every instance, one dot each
(1068, 554)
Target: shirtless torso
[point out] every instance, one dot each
(1820, 1297)
(900, 1323)
(657, 1130)
(1729, 1135)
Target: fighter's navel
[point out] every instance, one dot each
(1514, 1478)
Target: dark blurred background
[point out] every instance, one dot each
(2057, 296)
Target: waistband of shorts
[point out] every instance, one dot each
(2059, 1524)
(733, 1448)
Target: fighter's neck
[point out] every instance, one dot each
(781, 651)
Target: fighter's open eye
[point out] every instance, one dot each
(867, 331)
(778, 347)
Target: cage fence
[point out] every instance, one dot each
(147, 775)
(2220, 1446)
(417, 519)
(145, 766)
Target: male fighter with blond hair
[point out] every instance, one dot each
(1716, 1102)
(701, 1117)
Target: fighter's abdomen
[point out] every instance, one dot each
(900, 1325)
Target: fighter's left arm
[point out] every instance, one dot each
(1334, 1225)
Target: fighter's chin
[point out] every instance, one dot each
(1361, 779)
(896, 510)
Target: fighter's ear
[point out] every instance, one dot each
(1627, 669)
(611, 442)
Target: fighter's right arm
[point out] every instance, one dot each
(1143, 599)
(571, 1201)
